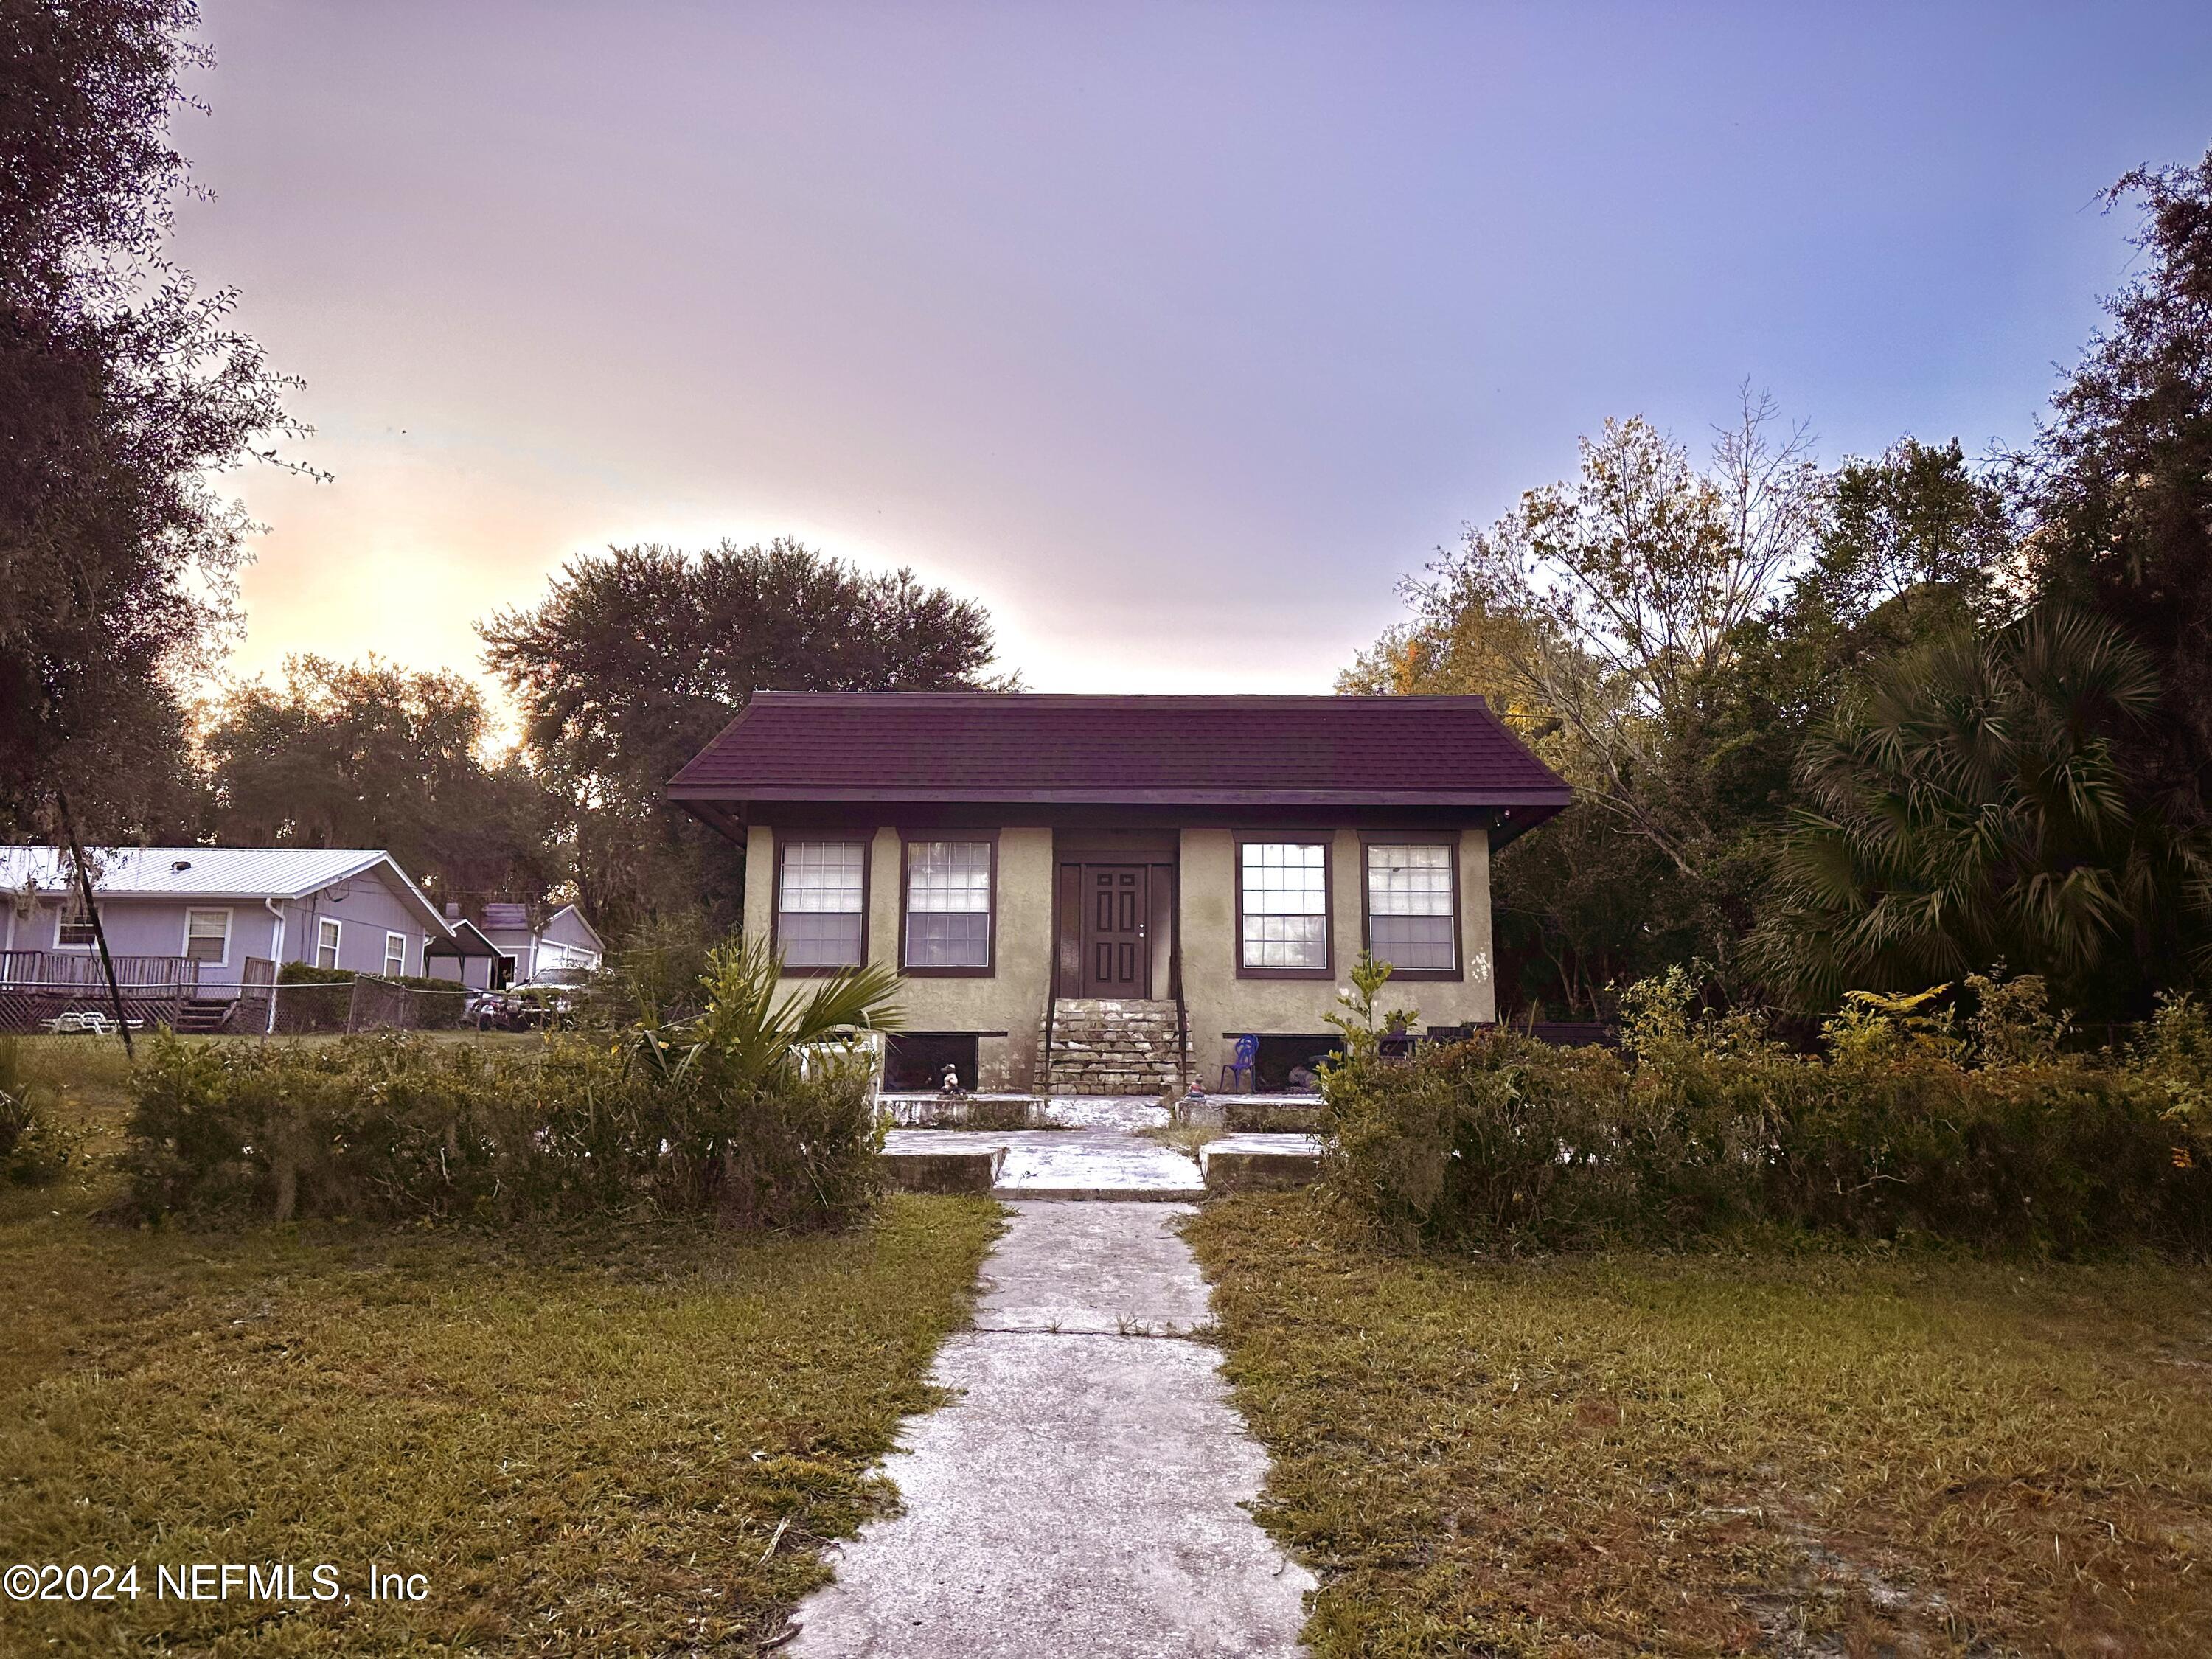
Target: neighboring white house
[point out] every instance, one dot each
(565, 940)
(219, 906)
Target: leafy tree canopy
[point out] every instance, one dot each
(121, 389)
(374, 754)
(640, 654)
(2119, 489)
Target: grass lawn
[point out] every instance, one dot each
(1842, 1453)
(608, 1439)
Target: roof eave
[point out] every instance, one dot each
(693, 796)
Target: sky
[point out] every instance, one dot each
(1175, 335)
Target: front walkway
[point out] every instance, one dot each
(1082, 1496)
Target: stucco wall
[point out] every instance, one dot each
(1223, 1007)
(1220, 1005)
(1006, 1005)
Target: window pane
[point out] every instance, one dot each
(395, 956)
(948, 904)
(819, 939)
(822, 875)
(204, 934)
(948, 875)
(326, 944)
(820, 924)
(1286, 897)
(75, 926)
(1411, 941)
(941, 939)
(1409, 906)
(1409, 881)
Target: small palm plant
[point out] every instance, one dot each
(760, 1100)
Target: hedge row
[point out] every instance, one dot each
(1907, 1126)
(391, 1126)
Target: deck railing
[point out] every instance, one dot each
(72, 970)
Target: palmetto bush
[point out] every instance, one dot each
(753, 1111)
(1970, 807)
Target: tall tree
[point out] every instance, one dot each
(122, 388)
(374, 754)
(1666, 638)
(2120, 486)
(638, 655)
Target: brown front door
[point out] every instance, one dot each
(1116, 902)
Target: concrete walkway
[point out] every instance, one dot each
(1081, 1164)
(1080, 1497)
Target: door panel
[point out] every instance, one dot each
(1116, 900)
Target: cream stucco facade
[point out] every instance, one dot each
(1004, 1008)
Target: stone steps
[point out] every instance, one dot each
(1103, 1046)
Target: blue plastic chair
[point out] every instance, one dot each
(1246, 1065)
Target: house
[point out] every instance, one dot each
(564, 939)
(206, 924)
(1104, 894)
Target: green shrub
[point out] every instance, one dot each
(1699, 1127)
(747, 1113)
(34, 1149)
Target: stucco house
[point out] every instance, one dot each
(1103, 894)
(209, 923)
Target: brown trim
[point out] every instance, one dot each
(866, 843)
(1327, 840)
(1078, 844)
(1534, 795)
(1449, 840)
(1067, 929)
(990, 968)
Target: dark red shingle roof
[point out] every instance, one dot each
(993, 746)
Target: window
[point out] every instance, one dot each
(821, 906)
(395, 955)
(948, 904)
(73, 929)
(1283, 907)
(1410, 920)
(326, 942)
(207, 935)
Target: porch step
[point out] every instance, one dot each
(201, 1015)
(1111, 1046)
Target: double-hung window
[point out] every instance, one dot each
(948, 905)
(1283, 907)
(820, 904)
(1411, 920)
(395, 955)
(326, 942)
(73, 928)
(207, 936)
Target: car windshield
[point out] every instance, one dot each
(562, 977)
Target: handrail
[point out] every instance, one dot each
(31, 970)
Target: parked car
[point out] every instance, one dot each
(547, 998)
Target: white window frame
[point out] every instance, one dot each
(72, 905)
(229, 917)
(336, 937)
(388, 937)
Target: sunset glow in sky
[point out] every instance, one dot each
(1174, 334)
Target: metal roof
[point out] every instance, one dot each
(205, 872)
(1192, 751)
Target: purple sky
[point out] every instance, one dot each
(1174, 334)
